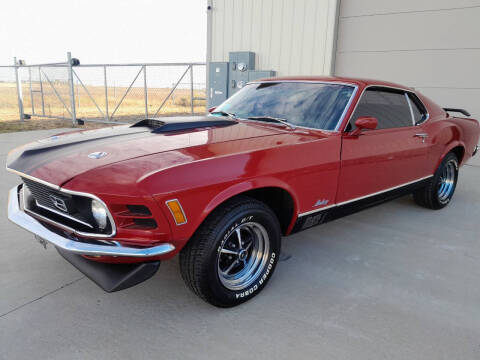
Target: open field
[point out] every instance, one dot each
(8, 102)
(91, 103)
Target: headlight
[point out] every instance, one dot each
(99, 214)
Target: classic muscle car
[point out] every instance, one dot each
(280, 156)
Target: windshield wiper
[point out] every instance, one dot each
(224, 113)
(272, 119)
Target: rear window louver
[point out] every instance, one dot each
(165, 126)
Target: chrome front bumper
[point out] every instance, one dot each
(29, 223)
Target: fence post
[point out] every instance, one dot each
(145, 92)
(72, 88)
(19, 90)
(107, 117)
(191, 87)
(41, 89)
(31, 92)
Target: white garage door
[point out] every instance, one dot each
(431, 45)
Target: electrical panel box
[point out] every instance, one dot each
(260, 74)
(226, 78)
(240, 63)
(218, 83)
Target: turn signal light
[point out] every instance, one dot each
(177, 211)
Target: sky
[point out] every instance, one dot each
(103, 31)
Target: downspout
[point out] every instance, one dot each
(209, 50)
(334, 15)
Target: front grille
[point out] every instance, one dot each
(71, 211)
(45, 196)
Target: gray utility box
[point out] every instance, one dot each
(240, 63)
(218, 83)
(260, 74)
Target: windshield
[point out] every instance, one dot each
(314, 105)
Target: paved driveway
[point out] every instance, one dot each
(392, 282)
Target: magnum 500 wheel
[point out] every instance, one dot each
(439, 190)
(233, 254)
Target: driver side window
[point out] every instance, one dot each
(389, 106)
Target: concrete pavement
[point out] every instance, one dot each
(393, 282)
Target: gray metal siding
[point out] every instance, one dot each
(293, 37)
(431, 45)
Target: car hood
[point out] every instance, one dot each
(59, 158)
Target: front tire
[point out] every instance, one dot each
(233, 254)
(439, 190)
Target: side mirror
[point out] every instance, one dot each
(212, 109)
(364, 123)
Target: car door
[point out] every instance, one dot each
(390, 156)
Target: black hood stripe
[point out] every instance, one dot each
(27, 159)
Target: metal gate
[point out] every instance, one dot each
(109, 92)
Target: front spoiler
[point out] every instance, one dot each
(112, 277)
(29, 223)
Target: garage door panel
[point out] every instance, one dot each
(409, 31)
(432, 45)
(446, 68)
(460, 98)
(369, 7)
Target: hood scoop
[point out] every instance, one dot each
(171, 124)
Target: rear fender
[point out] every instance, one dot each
(460, 132)
(448, 149)
(445, 135)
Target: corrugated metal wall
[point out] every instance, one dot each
(292, 37)
(432, 45)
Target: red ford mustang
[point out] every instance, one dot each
(280, 156)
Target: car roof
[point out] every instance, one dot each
(348, 80)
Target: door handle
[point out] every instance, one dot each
(422, 135)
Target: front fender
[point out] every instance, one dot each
(199, 203)
(244, 186)
(201, 186)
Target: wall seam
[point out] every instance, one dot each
(335, 37)
(314, 37)
(412, 12)
(290, 53)
(325, 38)
(405, 50)
(302, 44)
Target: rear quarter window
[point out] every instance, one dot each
(420, 113)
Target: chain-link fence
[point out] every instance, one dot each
(101, 92)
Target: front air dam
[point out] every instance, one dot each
(112, 277)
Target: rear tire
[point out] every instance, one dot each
(233, 254)
(440, 188)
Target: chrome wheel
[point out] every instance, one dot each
(243, 256)
(446, 184)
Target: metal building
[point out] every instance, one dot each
(431, 45)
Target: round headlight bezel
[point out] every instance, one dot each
(99, 214)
